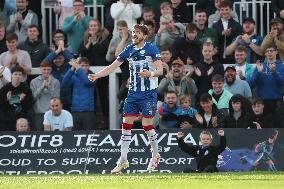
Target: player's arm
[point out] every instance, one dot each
(106, 71)
(158, 72)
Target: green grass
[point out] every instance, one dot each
(251, 180)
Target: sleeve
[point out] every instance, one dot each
(136, 10)
(222, 146)
(27, 59)
(124, 54)
(7, 74)
(116, 10)
(55, 92)
(265, 43)
(254, 78)
(67, 55)
(33, 21)
(163, 86)
(69, 120)
(190, 150)
(46, 120)
(50, 57)
(28, 100)
(155, 54)
(36, 90)
(248, 93)
(67, 79)
(68, 24)
(11, 27)
(83, 78)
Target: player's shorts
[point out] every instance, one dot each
(140, 102)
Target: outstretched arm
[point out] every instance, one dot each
(190, 150)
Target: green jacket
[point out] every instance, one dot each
(223, 102)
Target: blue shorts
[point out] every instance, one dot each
(140, 102)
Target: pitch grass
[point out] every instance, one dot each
(251, 180)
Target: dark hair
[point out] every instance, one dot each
(217, 78)
(148, 9)
(150, 23)
(11, 36)
(17, 69)
(33, 26)
(45, 63)
(165, 48)
(237, 98)
(58, 31)
(226, 3)
(121, 23)
(141, 27)
(191, 27)
(170, 92)
(241, 48)
(257, 101)
(84, 60)
(200, 10)
(205, 97)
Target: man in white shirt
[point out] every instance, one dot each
(57, 119)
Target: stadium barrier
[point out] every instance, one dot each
(85, 152)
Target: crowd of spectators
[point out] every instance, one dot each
(218, 73)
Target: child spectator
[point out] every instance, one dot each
(206, 155)
(22, 125)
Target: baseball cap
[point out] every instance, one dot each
(178, 61)
(276, 20)
(230, 67)
(249, 19)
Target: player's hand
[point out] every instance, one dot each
(221, 132)
(180, 135)
(92, 77)
(144, 73)
(257, 125)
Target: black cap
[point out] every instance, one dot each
(249, 19)
(276, 20)
(230, 67)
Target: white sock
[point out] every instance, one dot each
(125, 142)
(152, 136)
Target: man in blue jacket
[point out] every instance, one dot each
(268, 78)
(83, 99)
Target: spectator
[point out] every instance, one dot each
(166, 55)
(3, 46)
(58, 35)
(169, 31)
(238, 116)
(63, 8)
(205, 69)
(57, 119)
(151, 28)
(117, 44)
(156, 5)
(227, 29)
(60, 65)
(148, 15)
(15, 56)
(5, 76)
(181, 12)
(125, 10)
(22, 125)
(188, 116)
(34, 46)
(95, 43)
(235, 85)
(44, 87)
(215, 17)
(178, 81)
(20, 21)
(275, 37)
(278, 8)
(15, 100)
(75, 26)
(268, 78)
(83, 99)
(212, 117)
(188, 48)
(243, 69)
(261, 118)
(250, 40)
(166, 8)
(206, 155)
(169, 111)
(220, 96)
(204, 33)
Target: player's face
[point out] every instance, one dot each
(185, 104)
(248, 27)
(258, 108)
(237, 106)
(207, 52)
(137, 37)
(205, 140)
(201, 18)
(45, 71)
(240, 57)
(171, 99)
(217, 86)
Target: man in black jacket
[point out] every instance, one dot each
(227, 30)
(206, 155)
